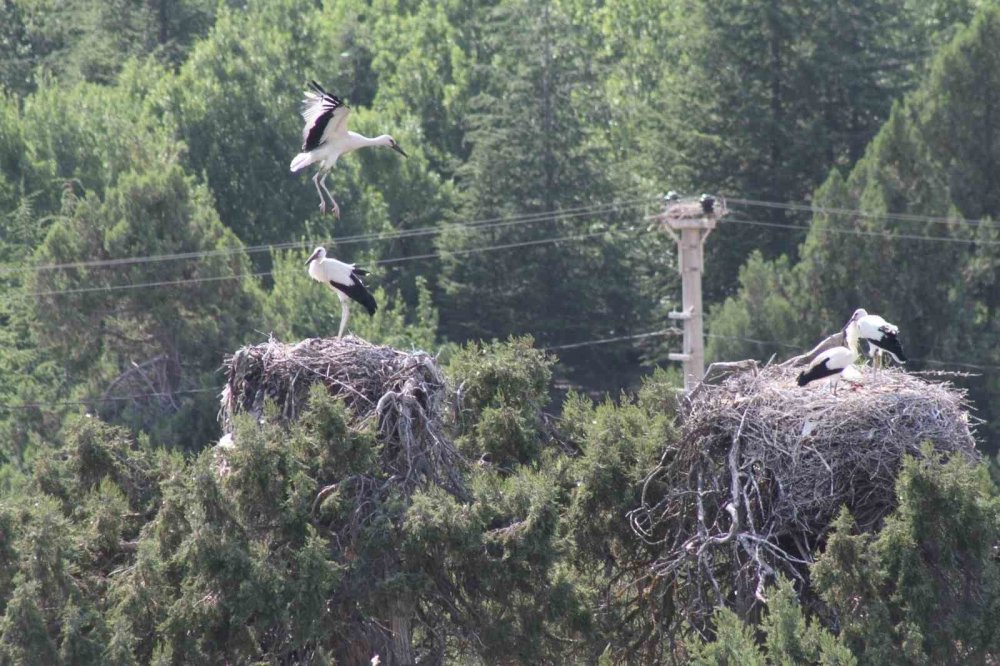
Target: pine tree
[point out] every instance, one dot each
(926, 589)
(773, 94)
(934, 157)
(144, 354)
(530, 155)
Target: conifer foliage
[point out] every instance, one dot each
(149, 226)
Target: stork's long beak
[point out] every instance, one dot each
(311, 257)
(399, 150)
(854, 318)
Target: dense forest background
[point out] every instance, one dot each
(149, 226)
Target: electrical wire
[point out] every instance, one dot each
(902, 217)
(860, 232)
(917, 360)
(760, 223)
(620, 338)
(476, 225)
(572, 345)
(596, 209)
(529, 218)
(380, 262)
(754, 340)
(491, 223)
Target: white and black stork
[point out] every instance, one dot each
(343, 278)
(325, 138)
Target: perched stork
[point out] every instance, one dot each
(707, 202)
(831, 363)
(325, 138)
(881, 336)
(345, 279)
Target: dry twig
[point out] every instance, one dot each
(404, 392)
(763, 466)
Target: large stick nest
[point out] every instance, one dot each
(763, 466)
(404, 392)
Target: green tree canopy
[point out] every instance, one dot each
(142, 337)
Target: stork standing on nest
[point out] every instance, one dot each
(881, 336)
(325, 138)
(831, 363)
(343, 278)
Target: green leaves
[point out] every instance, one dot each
(927, 587)
(789, 638)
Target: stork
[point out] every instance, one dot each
(881, 336)
(707, 202)
(831, 363)
(325, 138)
(343, 278)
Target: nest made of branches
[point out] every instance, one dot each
(763, 466)
(404, 392)
(690, 208)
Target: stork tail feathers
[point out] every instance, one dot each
(816, 372)
(890, 344)
(302, 160)
(368, 301)
(356, 291)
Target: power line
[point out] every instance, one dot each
(790, 346)
(974, 366)
(529, 218)
(596, 210)
(476, 225)
(380, 262)
(147, 285)
(572, 345)
(902, 217)
(860, 232)
(754, 340)
(602, 341)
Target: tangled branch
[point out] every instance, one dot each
(404, 392)
(763, 466)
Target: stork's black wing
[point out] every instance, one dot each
(818, 371)
(324, 115)
(890, 343)
(357, 291)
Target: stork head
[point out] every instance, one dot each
(318, 254)
(858, 314)
(389, 142)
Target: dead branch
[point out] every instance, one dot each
(403, 392)
(763, 466)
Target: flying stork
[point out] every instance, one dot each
(831, 362)
(882, 337)
(325, 138)
(343, 278)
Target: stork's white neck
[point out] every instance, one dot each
(316, 270)
(853, 337)
(355, 141)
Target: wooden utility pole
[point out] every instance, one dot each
(689, 222)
